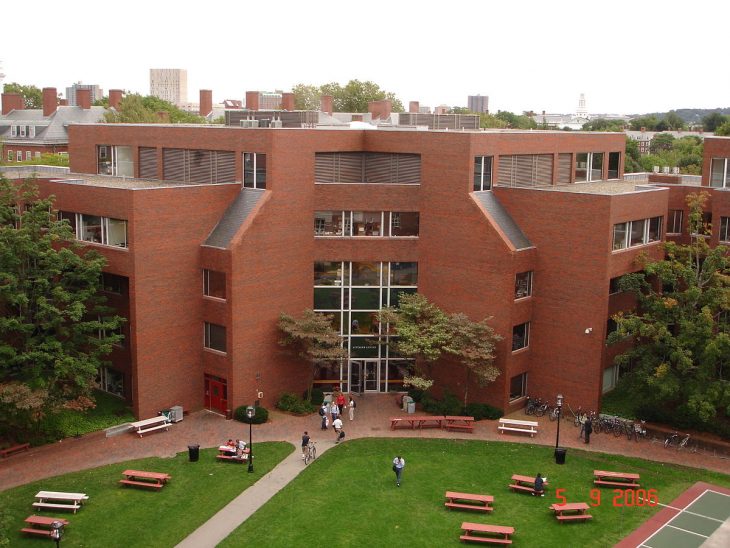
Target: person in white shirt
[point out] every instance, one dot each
(337, 424)
(398, 464)
(351, 408)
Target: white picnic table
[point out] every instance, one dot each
(60, 500)
(147, 425)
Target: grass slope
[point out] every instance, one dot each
(348, 497)
(128, 517)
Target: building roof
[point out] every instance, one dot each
(49, 129)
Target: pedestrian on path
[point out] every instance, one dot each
(588, 429)
(351, 408)
(582, 421)
(337, 424)
(341, 402)
(398, 464)
(305, 443)
(325, 422)
(334, 410)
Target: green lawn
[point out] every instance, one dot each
(126, 516)
(348, 497)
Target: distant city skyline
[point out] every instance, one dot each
(632, 59)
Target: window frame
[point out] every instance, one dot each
(525, 337)
(207, 337)
(479, 183)
(256, 183)
(528, 291)
(673, 223)
(206, 285)
(522, 378)
(724, 230)
(724, 176)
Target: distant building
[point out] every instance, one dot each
(644, 138)
(95, 91)
(478, 103)
(169, 85)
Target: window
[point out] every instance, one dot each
(720, 173)
(589, 167)
(90, 228)
(215, 337)
(706, 226)
(115, 160)
(214, 284)
(37, 155)
(31, 131)
(111, 381)
(254, 170)
(483, 173)
(10, 155)
(613, 285)
(367, 223)
(520, 336)
(404, 223)
(28, 155)
(523, 285)
(614, 160)
(111, 283)
(725, 229)
(22, 131)
(96, 229)
(610, 378)
(635, 233)
(675, 221)
(619, 235)
(115, 232)
(329, 223)
(13, 131)
(19, 156)
(517, 386)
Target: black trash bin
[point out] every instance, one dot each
(560, 455)
(193, 452)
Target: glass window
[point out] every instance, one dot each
(517, 386)
(581, 167)
(596, 166)
(614, 160)
(215, 337)
(637, 232)
(10, 155)
(366, 273)
(718, 172)
(28, 155)
(364, 347)
(254, 170)
(483, 173)
(610, 377)
(675, 221)
(520, 336)
(328, 298)
(620, 231)
(111, 283)
(367, 223)
(523, 285)
(22, 130)
(404, 223)
(395, 295)
(365, 299)
(19, 156)
(70, 217)
(364, 323)
(328, 223)
(725, 229)
(90, 228)
(214, 284)
(116, 233)
(37, 155)
(403, 274)
(110, 380)
(328, 273)
(655, 229)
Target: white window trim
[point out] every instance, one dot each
(481, 173)
(529, 285)
(724, 173)
(104, 232)
(19, 156)
(726, 239)
(681, 220)
(527, 337)
(644, 238)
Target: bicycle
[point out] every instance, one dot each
(532, 405)
(673, 439)
(311, 453)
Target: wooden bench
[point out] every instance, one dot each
(459, 423)
(525, 484)
(514, 425)
(478, 502)
(15, 449)
(417, 421)
(155, 480)
(42, 521)
(59, 500)
(74, 506)
(31, 531)
(141, 483)
(616, 479)
(568, 517)
(233, 458)
(571, 511)
(148, 425)
(471, 528)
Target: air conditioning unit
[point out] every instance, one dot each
(249, 123)
(176, 413)
(675, 170)
(665, 169)
(656, 169)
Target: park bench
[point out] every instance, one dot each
(15, 449)
(140, 478)
(148, 425)
(616, 479)
(59, 500)
(514, 425)
(571, 511)
(417, 421)
(471, 528)
(525, 484)
(459, 423)
(468, 501)
(40, 521)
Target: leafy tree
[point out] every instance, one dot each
(313, 336)
(51, 315)
(352, 97)
(723, 130)
(633, 156)
(712, 121)
(681, 330)
(425, 332)
(306, 97)
(33, 95)
(673, 121)
(601, 124)
(648, 122)
(491, 121)
(662, 141)
(136, 109)
(460, 110)
(515, 121)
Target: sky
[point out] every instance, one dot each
(627, 57)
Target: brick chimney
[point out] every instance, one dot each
(63, 102)
(115, 98)
(50, 101)
(83, 98)
(252, 100)
(287, 101)
(12, 101)
(206, 102)
(380, 110)
(325, 103)
(413, 107)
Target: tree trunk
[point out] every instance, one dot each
(466, 386)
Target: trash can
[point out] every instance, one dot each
(411, 406)
(560, 455)
(193, 452)
(406, 400)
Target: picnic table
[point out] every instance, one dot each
(148, 425)
(59, 500)
(524, 483)
(459, 423)
(571, 511)
(36, 522)
(228, 453)
(468, 501)
(418, 421)
(471, 528)
(616, 479)
(140, 478)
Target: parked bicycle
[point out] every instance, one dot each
(673, 439)
(532, 405)
(311, 453)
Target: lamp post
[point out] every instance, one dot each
(250, 412)
(559, 451)
(56, 532)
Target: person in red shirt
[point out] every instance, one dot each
(340, 401)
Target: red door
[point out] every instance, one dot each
(216, 394)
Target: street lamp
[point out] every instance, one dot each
(56, 532)
(250, 412)
(559, 452)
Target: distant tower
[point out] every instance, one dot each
(478, 103)
(170, 85)
(582, 111)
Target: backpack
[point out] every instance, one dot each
(342, 435)
(321, 411)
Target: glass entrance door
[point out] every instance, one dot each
(364, 376)
(356, 376)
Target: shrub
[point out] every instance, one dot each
(416, 394)
(317, 396)
(294, 404)
(482, 411)
(261, 416)
(430, 404)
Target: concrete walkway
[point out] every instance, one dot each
(222, 524)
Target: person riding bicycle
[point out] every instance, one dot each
(305, 443)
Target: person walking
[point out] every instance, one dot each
(341, 402)
(334, 410)
(399, 463)
(351, 408)
(325, 421)
(588, 429)
(582, 422)
(337, 424)
(305, 443)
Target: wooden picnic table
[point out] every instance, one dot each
(616, 479)
(37, 522)
(459, 423)
(418, 421)
(468, 501)
(471, 528)
(571, 511)
(59, 500)
(148, 425)
(228, 453)
(524, 483)
(141, 478)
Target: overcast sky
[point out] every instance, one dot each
(626, 56)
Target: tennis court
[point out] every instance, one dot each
(698, 517)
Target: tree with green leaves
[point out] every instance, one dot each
(601, 124)
(315, 340)
(674, 121)
(352, 97)
(713, 121)
(723, 130)
(681, 327)
(55, 330)
(33, 95)
(136, 109)
(515, 121)
(306, 97)
(633, 156)
(662, 141)
(428, 334)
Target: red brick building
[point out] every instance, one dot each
(218, 230)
